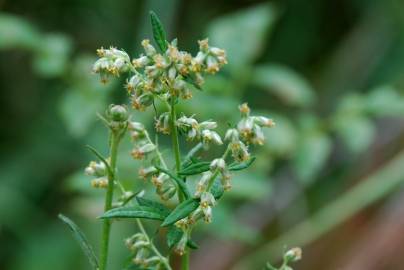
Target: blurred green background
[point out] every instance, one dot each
(329, 179)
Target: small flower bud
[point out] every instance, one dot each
(139, 153)
(141, 62)
(148, 48)
(204, 45)
(136, 126)
(232, 135)
(211, 136)
(258, 136)
(146, 172)
(208, 125)
(207, 199)
(225, 180)
(293, 255)
(244, 110)
(212, 65)
(133, 82)
(118, 113)
(163, 123)
(218, 163)
(207, 212)
(263, 121)
(202, 184)
(181, 245)
(239, 151)
(159, 180)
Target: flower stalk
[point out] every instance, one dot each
(106, 226)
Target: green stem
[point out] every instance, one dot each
(106, 226)
(175, 143)
(176, 148)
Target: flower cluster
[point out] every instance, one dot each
(112, 62)
(98, 170)
(199, 131)
(140, 247)
(250, 127)
(165, 74)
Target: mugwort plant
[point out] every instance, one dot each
(166, 75)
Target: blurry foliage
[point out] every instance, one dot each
(280, 57)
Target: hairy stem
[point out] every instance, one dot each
(106, 226)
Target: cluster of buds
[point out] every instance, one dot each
(143, 146)
(199, 131)
(118, 116)
(250, 127)
(219, 164)
(98, 170)
(162, 123)
(111, 62)
(238, 149)
(165, 188)
(164, 74)
(140, 247)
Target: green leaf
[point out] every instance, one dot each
(192, 244)
(357, 132)
(181, 184)
(53, 56)
(174, 235)
(156, 205)
(242, 165)
(312, 153)
(82, 240)
(217, 189)
(134, 212)
(196, 168)
(181, 211)
(286, 84)
(16, 32)
(158, 32)
(385, 101)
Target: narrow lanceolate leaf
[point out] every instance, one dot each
(174, 235)
(242, 165)
(196, 168)
(181, 211)
(134, 212)
(156, 205)
(217, 189)
(158, 32)
(100, 157)
(181, 184)
(82, 240)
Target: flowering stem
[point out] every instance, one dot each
(152, 246)
(176, 148)
(176, 145)
(106, 227)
